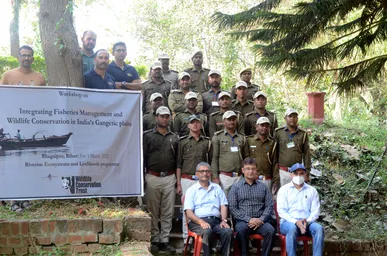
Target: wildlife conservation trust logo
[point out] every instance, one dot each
(79, 184)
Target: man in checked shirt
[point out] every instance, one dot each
(251, 206)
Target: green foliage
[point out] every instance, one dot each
(9, 62)
(110, 250)
(142, 71)
(306, 40)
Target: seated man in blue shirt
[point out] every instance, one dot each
(251, 205)
(98, 78)
(125, 75)
(206, 206)
(298, 206)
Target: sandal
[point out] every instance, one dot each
(26, 204)
(16, 208)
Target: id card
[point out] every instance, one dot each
(234, 149)
(290, 144)
(215, 104)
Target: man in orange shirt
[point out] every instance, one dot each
(23, 75)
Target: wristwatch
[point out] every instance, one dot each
(224, 220)
(123, 83)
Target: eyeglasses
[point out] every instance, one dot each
(204, 171)
(26, 56)
(120, 50)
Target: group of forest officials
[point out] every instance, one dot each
(219, 151)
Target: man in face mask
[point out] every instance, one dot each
(298, 206)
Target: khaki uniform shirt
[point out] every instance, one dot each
(251, 90)
(265, 154)
(191, 152)
(149, 122)
(176, 101)
(172, 76)
(199, 79)
(149, 87)
(160, 151)
(181, 121)
(293, 148)
(228, 152)
(215, 122)
(210, 101)
(244, 109)
(251, 122)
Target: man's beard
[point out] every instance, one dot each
(215, 84)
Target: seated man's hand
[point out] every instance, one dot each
(204, 224)
(255, 223)
(301, 224)
(224, 224)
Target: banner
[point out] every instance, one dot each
(61, 142)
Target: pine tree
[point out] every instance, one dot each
(306, 41)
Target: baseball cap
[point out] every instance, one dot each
(194, 117)
(223, 93)
(244, 70)
(190, 95)
(260, 93)
(163, 111)
(196, 53)
(156, 64)
(290, 111)
(228, 114)
(163, 56)
(263, 120)
(214, 71)
(183, 74)
(297, 166)
(155, 96)
(240, 83)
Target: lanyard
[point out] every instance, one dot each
(291, 135)
(232, 139)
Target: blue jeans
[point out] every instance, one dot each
(291, 231)
(243, 232)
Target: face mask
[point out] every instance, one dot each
(298, 180)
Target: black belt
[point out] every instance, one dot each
(211, 217)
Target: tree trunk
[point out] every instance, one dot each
(60, 43)
(14, 28)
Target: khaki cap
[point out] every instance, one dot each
(240, 84)
(214, 71)
(191, 95)
(260, 93)
(228, 114)
(244, 70)
(156, 64)
(183, 74)
(263, 120)
(290, 111)
(163, 111)
(155, 96)
(163, 56)
(223, 93)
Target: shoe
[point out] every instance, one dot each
(166, 247)
(154, 247)
(25, 205)
(16, 208)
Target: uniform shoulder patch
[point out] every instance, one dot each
(218, 132)
(207, 69)
(168, 81)
(233, 101)
(280, 128)
(250, 136)
(183, 137)
(207, 138)
(145, 81)
(188, 69)
(174, 71)
(250, 113)
(147, 131)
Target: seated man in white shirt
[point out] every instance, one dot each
(206, 206)
(298, 206)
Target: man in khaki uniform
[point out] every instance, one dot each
(180, 124)
(169, 74)
(199, 75)
(176, 100)
(155, 84)
(210, 97)
(293, 147)
(215, 120)
(149, 119)
(229, 150)
(264, 150)
(160, 148)
(260, 101)
(241, 103)
(193, 149)
(24, 74)
(245, 75)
